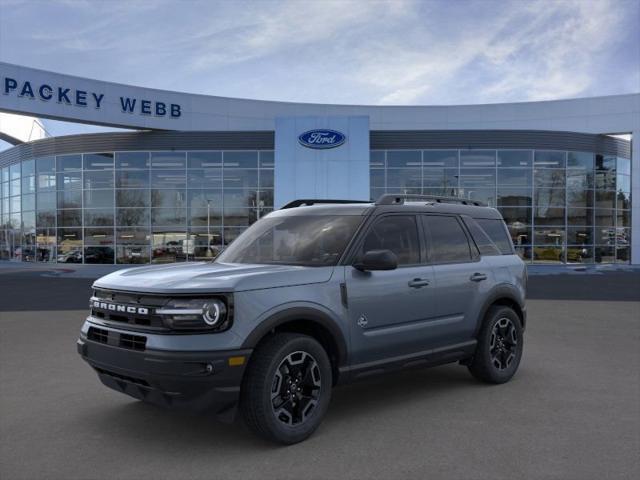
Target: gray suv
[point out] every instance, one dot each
(315, 294)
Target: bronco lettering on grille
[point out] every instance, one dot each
(113, 307)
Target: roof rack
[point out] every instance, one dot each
(307, 202)
(400, 199)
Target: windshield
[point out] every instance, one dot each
(314, 240)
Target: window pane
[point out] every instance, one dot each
(605, 235)
(132, 179)
(95, 254)
(132, 198)
(376, 159)
(444, 178)
(70, 218)
(404, 178)
(605, 254)
(132, 254)
(98, 179)
(70, 199)
(205, 244)
(206, 178)
(477, 158)
(548, 216)
(477, 177)
(624, 218)
(447, 241)
(582, 160)
(98, 161)
(43, 165)
(168, 198)
(240, 159)
(577, 197)
(549, 178)
(46, 181)
(580, 235)
(605, 163)
(168, 160)
(579, 178)
(549, 236)
(549, 159)
(204, 159)
(514, 176)
(496, 231)
(516, 197)
(398, 234)
(70, 180)
(579, 216)
(98, 199)
(28, 168)
(623, 166)
(168, 179)
(266, 179)
(440, 159)
(132, 217)
(484, 195)
(169, 217)
(514, 158)
(237, 198)
(95, 217)
(267, 159)
(69, 162)
(404, 158)
(548, 254)
(133, 236)
(239, 178)
(138, 160)
(46, 219)
(605, 217)
(46, 200)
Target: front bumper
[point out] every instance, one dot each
(192, 380)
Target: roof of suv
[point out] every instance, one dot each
(308, 207)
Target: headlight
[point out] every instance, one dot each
(195, 314)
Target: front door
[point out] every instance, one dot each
(389, 311)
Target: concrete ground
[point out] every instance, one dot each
(571, 412)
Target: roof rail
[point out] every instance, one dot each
(307, 202)
(401, 198)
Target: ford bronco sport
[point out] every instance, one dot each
(317, 293)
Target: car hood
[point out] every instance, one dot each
(202, 277)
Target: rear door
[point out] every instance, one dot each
(462, 278)
(389, 311)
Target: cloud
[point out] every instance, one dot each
(338, 51)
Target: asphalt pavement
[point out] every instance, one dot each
(571, 412)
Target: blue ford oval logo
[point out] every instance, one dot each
(322, 138)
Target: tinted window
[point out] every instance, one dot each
(447, 241)
(398, 234)
(496, 231)
(481, 239)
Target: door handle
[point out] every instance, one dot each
(418, 283)
(478, 277)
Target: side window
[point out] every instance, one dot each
(397, 233)
(497, 232)
(447, 241)
(482, 240)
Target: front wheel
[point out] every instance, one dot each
(287, 388)
(500, 344)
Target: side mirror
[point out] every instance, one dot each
(377, 260)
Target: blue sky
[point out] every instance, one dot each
(365, 52)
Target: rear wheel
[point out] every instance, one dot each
(287, 388)
(500, 344)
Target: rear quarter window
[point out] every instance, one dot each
(497, 232)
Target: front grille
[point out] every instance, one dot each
(98, 335)
(123, 340)
(133, 342)
(132, 303)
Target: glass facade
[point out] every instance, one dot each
(560, 207)
(131, 207)
(168, 206)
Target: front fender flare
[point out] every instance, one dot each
(309, 313)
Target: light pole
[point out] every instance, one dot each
(208, 227)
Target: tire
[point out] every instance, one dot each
(500, 345)
(286, 363)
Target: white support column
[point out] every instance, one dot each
(635, 198)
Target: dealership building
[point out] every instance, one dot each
(196, 170)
